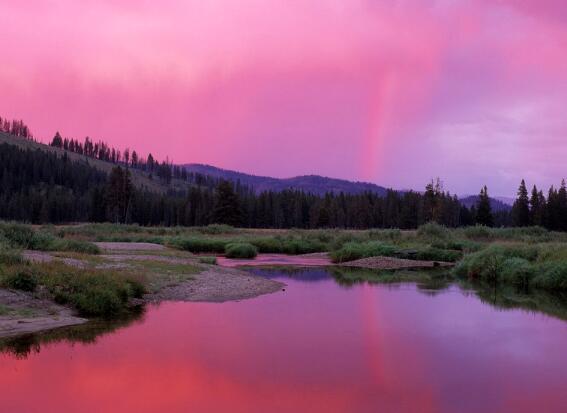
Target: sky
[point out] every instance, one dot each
(394, 92)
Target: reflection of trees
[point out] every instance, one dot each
(22, 346)
(433, 282)
(429, 282)
(508, 297)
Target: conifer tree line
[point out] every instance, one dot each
(15, 128)
(40, 187)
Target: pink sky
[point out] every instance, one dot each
(389, 91)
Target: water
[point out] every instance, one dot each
(317, 347)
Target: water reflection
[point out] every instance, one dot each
(21, 347)
(319, 346)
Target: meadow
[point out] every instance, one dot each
(524, 259)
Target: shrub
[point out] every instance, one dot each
(75, 246)
(490, 263)
(21, 278)
(354, 250)
(240, 250)
(18, 235)
(208, 260)
(517, 271)
(438, 254)
(98, 293)
(551, 276)
(197, 245)
(267, 245)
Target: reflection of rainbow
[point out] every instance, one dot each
(398, 371)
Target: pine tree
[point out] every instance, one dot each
(119, 193)
(483, 209)
(521, 208)
(537, 207)
(57, 141)
(227, 205)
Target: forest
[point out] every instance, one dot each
(40, 187)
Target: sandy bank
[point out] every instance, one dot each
(22, 313)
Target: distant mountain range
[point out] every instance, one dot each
(318, 185)
(314, 184)
(496, 204)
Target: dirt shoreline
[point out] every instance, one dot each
(25, 313)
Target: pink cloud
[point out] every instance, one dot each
(354, 89)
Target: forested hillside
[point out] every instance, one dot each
(72, 181)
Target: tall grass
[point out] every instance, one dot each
(241, 250)
(92, 292)
(24, 237)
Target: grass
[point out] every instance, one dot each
(241, 250)
(25, 237)
(93, 293)
(526, 266)
(208, 260)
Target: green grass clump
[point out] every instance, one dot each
(24, 237)
(94, 293)
(438, 254)
(198, 245)
(518, 271)
(208, 260)
(551, 276)
(10, 256)
(21, 278)
(356, 250)
(241, 250)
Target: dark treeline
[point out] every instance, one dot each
(15, 128)
(41, 187)
(164, 171)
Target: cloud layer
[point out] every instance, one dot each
(390, 91)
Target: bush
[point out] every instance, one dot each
(197, 245)
(95, 293)
(437, 254)
(18, 235)
(268, 245)
(518, 271)
(490, 263)
(240, 250)
(22, 279)
(72, 245)
(551, 276)
(354, 250)
(208, 260)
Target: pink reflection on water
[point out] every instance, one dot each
(317, 347)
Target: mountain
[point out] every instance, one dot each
(496, 204)
(314, 184)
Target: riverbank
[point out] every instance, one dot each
(167, 275)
